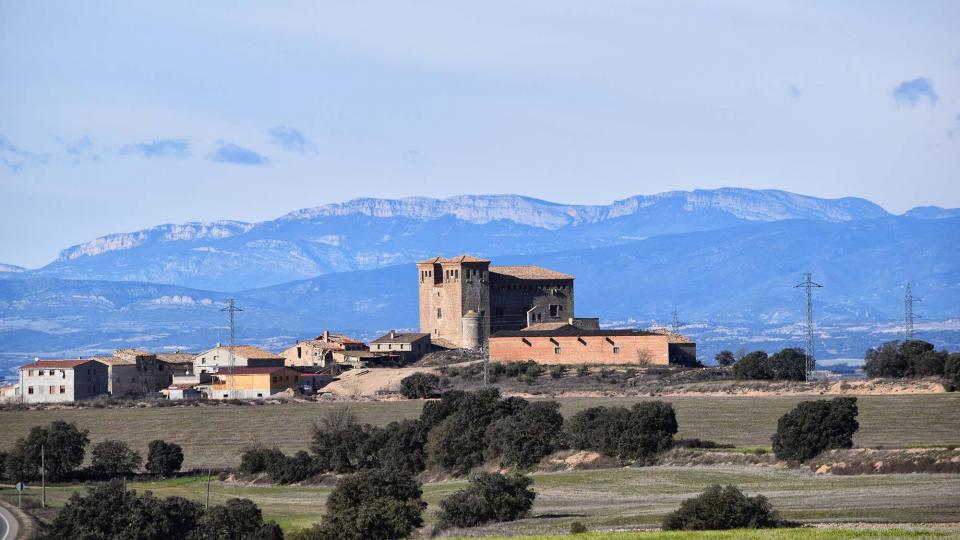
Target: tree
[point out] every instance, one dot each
(341, 444)
(457, 442)
(163, 458)
(108, 511)
(720, 508)
(114, 458)
(752, 366)
(420, 386)
(814, 426)
(598, 429)
(951, 370)
(370, 505)
(526, 437)
(489, 497)
(789, 364)
(725, 358)
(404, 447)
(59, 445)
(913, 358)
(649, 429)
(237, 518)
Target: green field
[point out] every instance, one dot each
(751, 534)
(624, 497)
(214, 435)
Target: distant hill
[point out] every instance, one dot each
(10, 269)
(734, 286)
(933, 212)
(374, 233)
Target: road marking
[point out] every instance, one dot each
(7, 522)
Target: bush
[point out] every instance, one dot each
(638, 433)
(558, 371)
(951, 369)
(420, 386)
(725, 358)
(490, 497)
(403, 448)
(720, 508)
(3, 464)
(237, 518)
(163, 458)
(788, 365)
(341, 444)
(110, 459)
(257, 459)
(583, 371)
(457, 442)
(62, 445)
(752, 366)
(524, 438)
(699, 443)
(913, 358)
(577, 528)
(814, 426)
(370, 505)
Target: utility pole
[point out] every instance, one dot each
(908, 313)
(43, 476)
(231, 309)
(207, 504)
(675, 322)
(808, 286)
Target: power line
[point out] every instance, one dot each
(808, 286)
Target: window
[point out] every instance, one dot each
(51, 390)
(556, 350)
(30, 390)
(555, 310)
(616, 349)
(439, 313)
(299, 352)
(259, 394)
(63, 389)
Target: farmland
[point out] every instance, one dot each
(214, 435)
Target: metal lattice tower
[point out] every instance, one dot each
(675, 322)
(808, 286)
(231, 309)
(908, 313)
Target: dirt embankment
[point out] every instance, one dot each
(379, 383)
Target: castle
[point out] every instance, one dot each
(463, 300)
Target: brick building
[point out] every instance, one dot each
(569, 343)
(501, 298)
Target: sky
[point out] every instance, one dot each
(117, 116)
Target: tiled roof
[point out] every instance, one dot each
(135, 352)
(249, 351)
(177, 358)
(545, 326)
(58, 364)
(671, 336)
(114, 360)
(460, 259)
(527, 272)
(399, 337)
(251, 370)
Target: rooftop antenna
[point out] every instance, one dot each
(808, 286)
(231, 309)
(908, 300)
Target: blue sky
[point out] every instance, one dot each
(116, 117)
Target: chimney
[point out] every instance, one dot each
(393, 334)
(326, 335)
(218, 344)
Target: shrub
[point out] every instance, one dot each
(489, 497)
(237, 518)
(3, 464)
(341, 444)
(62, 445)
(558, 371)
(523, 439)
(725, 358)
(403, 448)
(256, 459)
(752, 366)
(583, 371)
(951, 369)
(788, 364)
(577, 528)
(114, 458)
(457, 442)
(163, 458)
(420, 386)
(913, 358)
(638, 433)
(699, 443)
(370, 505)
(720, 508)
(814, 426)
(290, 469)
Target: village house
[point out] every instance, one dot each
(401, 346)
(572, 344)
(323, 351)
(134, 372)
(62, 381)
(252, 382)
(178, 363)
(242, 356)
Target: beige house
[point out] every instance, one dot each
(240, 355)
(179, 363)
(402, 346)
(322, 351)
(134, 372)
(62, 381)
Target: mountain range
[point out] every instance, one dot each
(727, 260)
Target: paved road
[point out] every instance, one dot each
(8, 525)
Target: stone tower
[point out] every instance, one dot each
(449, 288)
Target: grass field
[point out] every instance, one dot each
(622, 498)
(214, 435)
(751, 534)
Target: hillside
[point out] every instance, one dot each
(374, 233)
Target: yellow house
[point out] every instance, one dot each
(252, 382)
